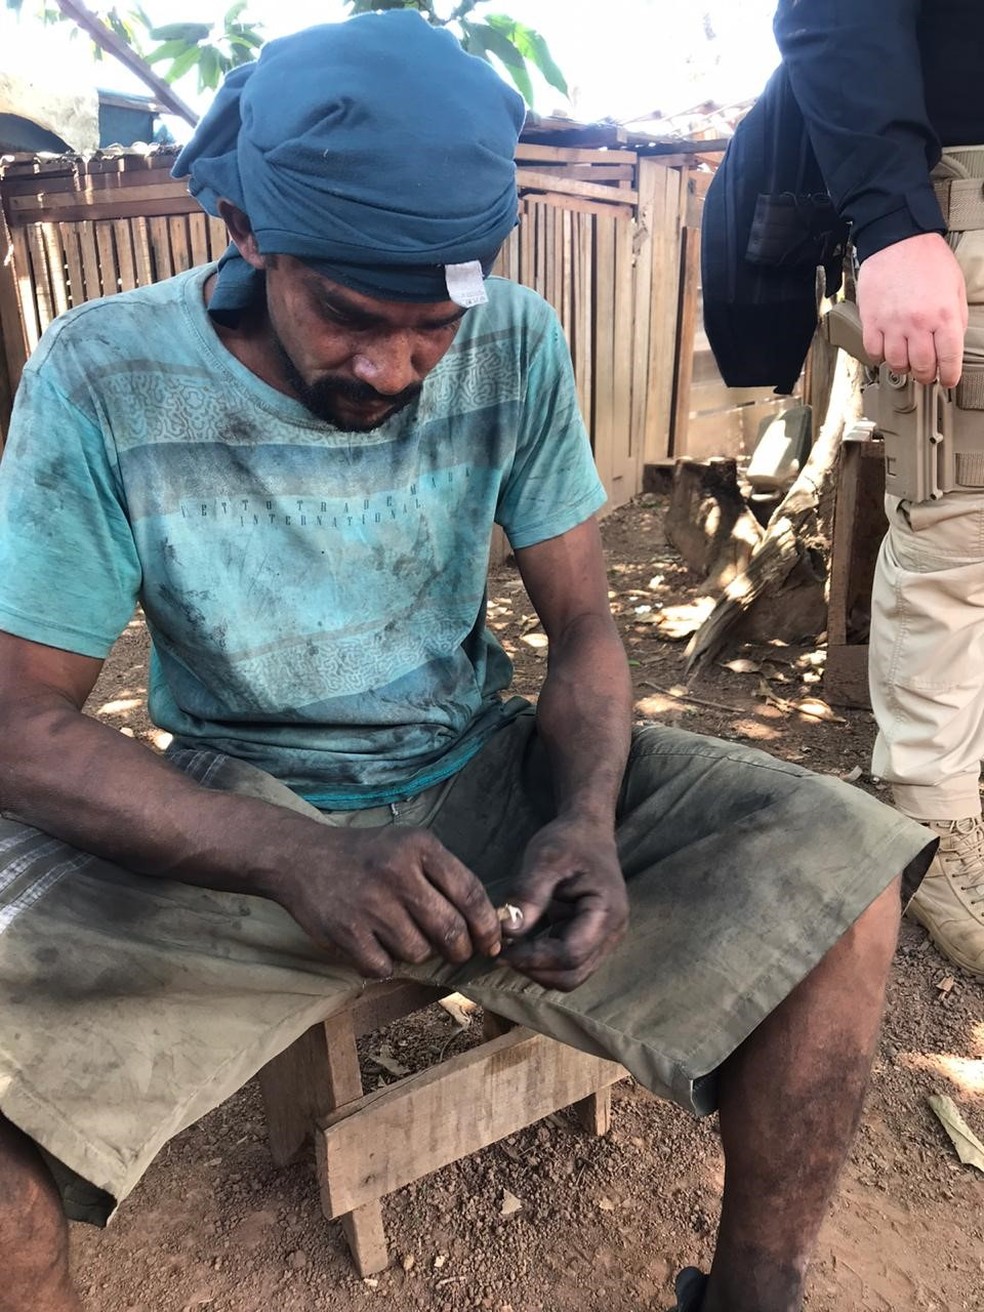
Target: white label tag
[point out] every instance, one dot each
(466, 286)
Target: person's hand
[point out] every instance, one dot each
(574, 903)
(391, 895)
(913, 304)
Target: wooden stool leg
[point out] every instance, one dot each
(295, 1094)
(594, 1113)
(363, 1227)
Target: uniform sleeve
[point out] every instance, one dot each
(856, 71)
(69, 571)
(553, 485)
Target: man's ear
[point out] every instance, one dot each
(241, 233)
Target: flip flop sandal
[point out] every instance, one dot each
(689, 1287)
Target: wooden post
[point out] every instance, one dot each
(6, 395)
(663, 192)
(13, 345)
(686, 332)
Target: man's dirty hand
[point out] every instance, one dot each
(574, 903)
(392, 895)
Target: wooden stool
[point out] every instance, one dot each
(370, 1144)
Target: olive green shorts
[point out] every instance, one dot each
(131, 1005)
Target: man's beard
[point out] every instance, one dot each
(323, 396)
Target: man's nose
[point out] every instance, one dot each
(388, 366)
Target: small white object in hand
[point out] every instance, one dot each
(510, 917)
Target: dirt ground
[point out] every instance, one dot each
(602, 1224)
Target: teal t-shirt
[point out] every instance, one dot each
(315, 598)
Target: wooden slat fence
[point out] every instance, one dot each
(709, 419)
(606, 236)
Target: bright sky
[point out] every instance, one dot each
(622, 58)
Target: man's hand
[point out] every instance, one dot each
(574, 903)
(391, 895)
(913, 304)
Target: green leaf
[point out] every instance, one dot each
(233, 13)
(248, 40)
(169, 50)
(183, 64)
(532, 47)
(191, 33)
(209, 69)
(490, 41)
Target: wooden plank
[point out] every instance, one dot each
(667, 201)
(395, 1135)
(712, 394)
(586, 206)
(69, 234)
(567, 276)
(556, 216)
(142, 255)
(686, 327)
(363, 1221)
(845, 517)
(6, 395)
(641, 316)
(584, 315)
(531, 180)
(574, 154)
(545, 232)
(129, 210)
(198, 236)
(57, 268)
(160, 246)
(218, 236)
(25, 208)
(106, 249)
(619, 173)
(90, 259)
(603, 429)
(296, 1094)
(626, 465)
(26, 294)
(126, 260)
(13, 329)
(40, 278)
(859, 527)
(721, 433)
(527, 245)
(845, 676)
(594, 1113)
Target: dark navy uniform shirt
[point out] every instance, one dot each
(882, 83)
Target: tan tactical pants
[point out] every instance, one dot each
(926, 654)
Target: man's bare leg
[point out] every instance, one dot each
(33, 1233)
(790, 1102)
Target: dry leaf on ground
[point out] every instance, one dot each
(969, 1148)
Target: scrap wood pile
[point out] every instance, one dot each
(762, 583)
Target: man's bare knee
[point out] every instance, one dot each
(873, 936)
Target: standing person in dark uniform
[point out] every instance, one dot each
(892, 97)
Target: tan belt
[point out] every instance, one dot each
(958, 181)
(962, 203)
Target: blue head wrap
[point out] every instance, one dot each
(375, 150)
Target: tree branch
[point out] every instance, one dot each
(114, 45)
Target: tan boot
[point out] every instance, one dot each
(950, 900)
